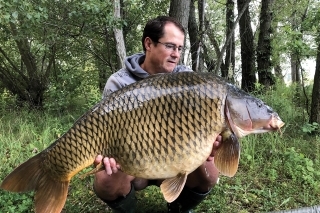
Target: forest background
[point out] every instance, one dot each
(55, 57)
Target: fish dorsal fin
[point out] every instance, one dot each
(226, 158)
(172, 187)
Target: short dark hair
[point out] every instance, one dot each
(154, 28)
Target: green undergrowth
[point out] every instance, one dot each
(276, 171)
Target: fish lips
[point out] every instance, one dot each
(248, 115)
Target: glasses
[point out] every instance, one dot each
(172, 47)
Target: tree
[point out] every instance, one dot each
(47, 45)
(264, 67)
(230, 48)
(118, 35)
(194, 37)
(247, 48)
(276, 53)
(61, 46)
(180, 11)
(26, 59)
(290, 38)
(315, 104)
(289, 34)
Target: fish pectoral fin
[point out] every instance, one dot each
(96, 169)
(172, 187)
(226, 158)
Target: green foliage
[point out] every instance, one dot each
(61, 38)
(271, 170)
(300, 168)
(294, 30)
(310, 128)
(73, 90)
(291, 103)
(22, 134)
(12, 203)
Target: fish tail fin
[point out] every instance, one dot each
(50, 194)
(226, 158)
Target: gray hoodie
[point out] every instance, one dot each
(131, 73)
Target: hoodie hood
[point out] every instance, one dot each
(132, 64)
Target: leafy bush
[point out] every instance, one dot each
(310, 128)
(300, 168)
(72, 91)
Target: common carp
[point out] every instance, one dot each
(162, 127)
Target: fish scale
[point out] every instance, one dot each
(162, 127)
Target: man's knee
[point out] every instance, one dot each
(203, 178)
(209, 175)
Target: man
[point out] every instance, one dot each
(162, 41)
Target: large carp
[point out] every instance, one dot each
(162, 127)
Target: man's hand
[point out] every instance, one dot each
(216, 145)
(109, 163)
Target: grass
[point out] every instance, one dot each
(276, 172)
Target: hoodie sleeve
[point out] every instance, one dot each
(112, 85)
(118, 80)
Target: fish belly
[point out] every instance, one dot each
(160, 165)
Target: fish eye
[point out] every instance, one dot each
(260, 104)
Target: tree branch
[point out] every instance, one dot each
(223, 50)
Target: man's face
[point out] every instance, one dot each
(164, 54)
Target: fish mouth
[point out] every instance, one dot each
(273, 124)
(276, 122)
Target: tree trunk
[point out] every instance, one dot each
(201, 55)
(215, 44)
(247, 48)
(243, 8)
(278, 71)
(295, 67)
(118, 35)
(266, 77)
(276, 54)
(294, 59)
(180, 11)
(315, 103)
(193, 35)
(211, 62)
(296, 25)
(230, 48)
